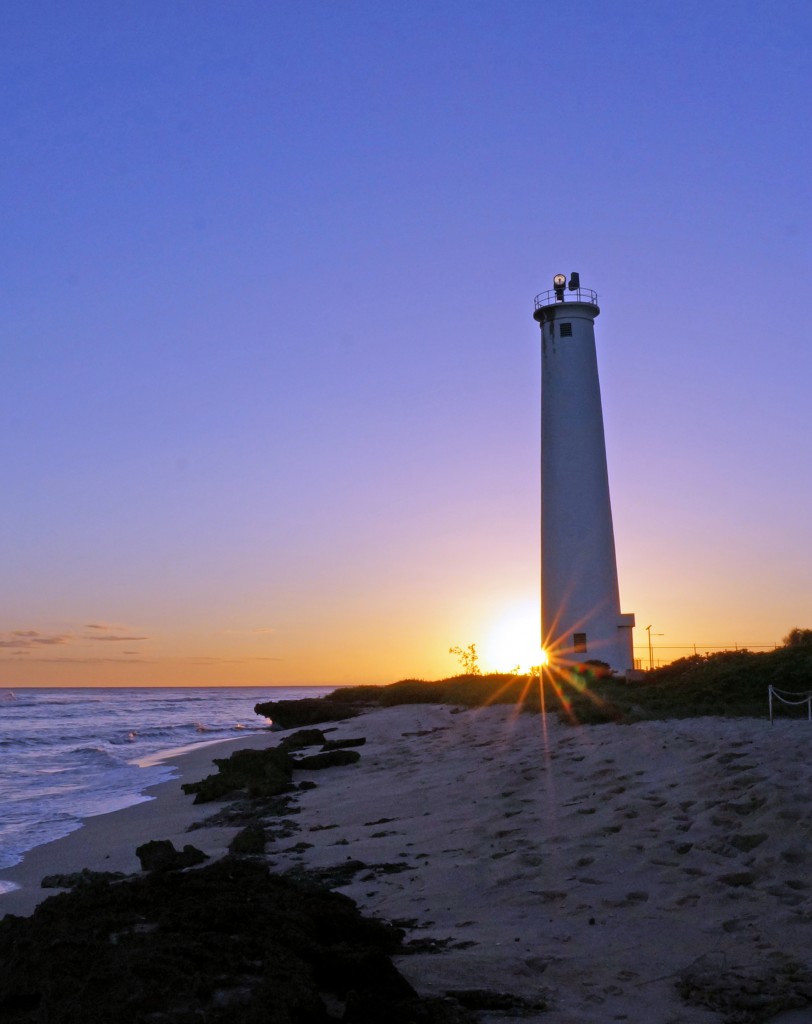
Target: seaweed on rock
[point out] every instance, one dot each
(268, 772)
(225, 943)
(327, 759)
(263, 773)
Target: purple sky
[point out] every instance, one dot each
(271, 376)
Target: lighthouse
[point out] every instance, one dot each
(580, 602)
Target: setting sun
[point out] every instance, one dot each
(513, 640)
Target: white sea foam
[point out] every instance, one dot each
(72, 754)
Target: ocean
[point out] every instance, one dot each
(68, 754)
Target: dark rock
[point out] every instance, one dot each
(373, 1008)
(747, 994)
(263, 773)
(330, 759)
(392, 868)
(308, 711)
(369, 971)
(251, 840)
(299, 847)
(229, 943)
(426, 944)
(160, 855)
(329, 878)
(302, 738)
(245, 812)
(83, 877)
(500, 1002)
(266, 773)
(358, 741)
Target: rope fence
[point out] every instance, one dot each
(783, 695)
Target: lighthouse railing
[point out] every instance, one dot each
(551, 297)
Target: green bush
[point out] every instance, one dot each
(729, 683)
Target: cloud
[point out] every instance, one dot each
(26, 639)
(109, 631)
(115, 638)
(213, 659)
(80, 661)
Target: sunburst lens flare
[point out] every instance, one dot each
(512, 643)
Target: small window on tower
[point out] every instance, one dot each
(578, 639)
(566, 332)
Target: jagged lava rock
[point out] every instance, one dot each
(228, 943)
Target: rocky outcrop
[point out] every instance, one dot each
(161, 855)
(249, 841)
(357, 741)
(748, 993)
(262, 773)
(327, 759)
(288, 714)
(83, 877)
(228, 943)
(268, 773)
(302, 738)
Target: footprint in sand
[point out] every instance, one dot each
(549, 895)
(629, 900)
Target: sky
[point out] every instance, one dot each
(270, 375)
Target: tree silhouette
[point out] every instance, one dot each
(798, 638)
(468, 658)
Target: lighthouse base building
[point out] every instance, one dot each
(581, 619)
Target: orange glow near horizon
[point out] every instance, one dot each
(512, 640)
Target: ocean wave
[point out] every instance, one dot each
(95, 755)
(71, 754)
(25, 741)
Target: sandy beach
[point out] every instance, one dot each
(107, 842)
(607, 871)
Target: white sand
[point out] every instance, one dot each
(589, 866)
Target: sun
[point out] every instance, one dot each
(513, 640)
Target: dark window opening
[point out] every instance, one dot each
(579, 643)
(566, 330)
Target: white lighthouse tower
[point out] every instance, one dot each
(580, 603)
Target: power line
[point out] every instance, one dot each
(706, 647)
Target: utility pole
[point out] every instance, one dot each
(650, 648)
